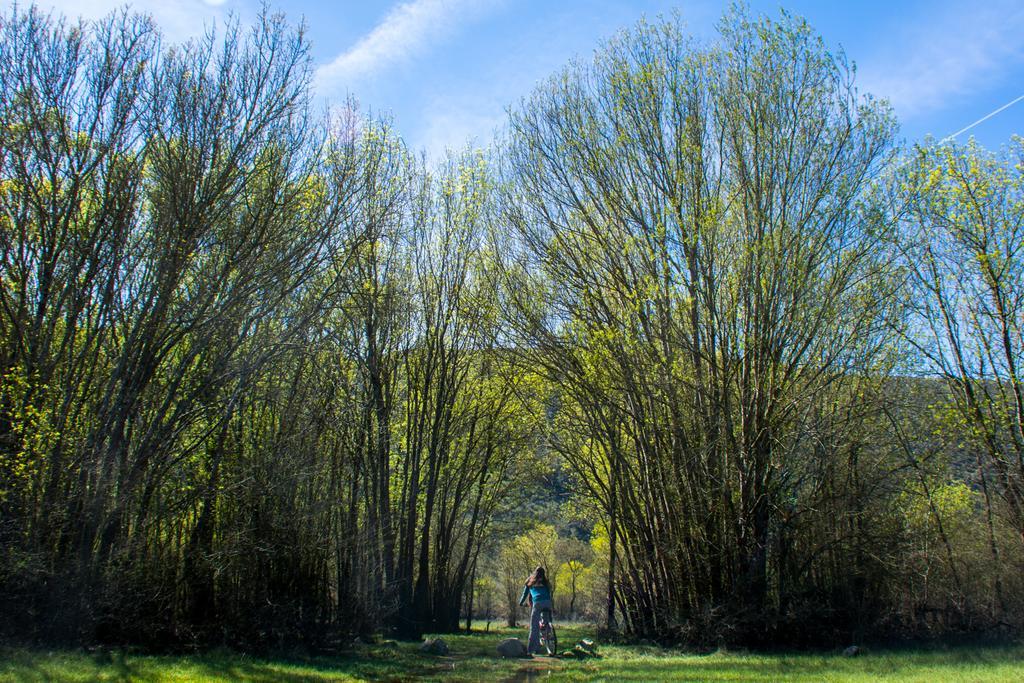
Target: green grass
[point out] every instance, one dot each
(473, 659)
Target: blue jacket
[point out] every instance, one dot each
(540, 593)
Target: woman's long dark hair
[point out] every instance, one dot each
(537, 578)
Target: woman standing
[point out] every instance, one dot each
(538, 590)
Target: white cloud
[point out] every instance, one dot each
(407, 30)
(947, 55)
(178, 20)
(451, 125)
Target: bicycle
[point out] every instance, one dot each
(548, 637)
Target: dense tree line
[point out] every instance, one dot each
(738, 291)
(250, 385)
(267, 377)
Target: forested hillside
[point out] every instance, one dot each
(697, 332)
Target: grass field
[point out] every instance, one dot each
(473, 659)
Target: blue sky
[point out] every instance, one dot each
(446, 69)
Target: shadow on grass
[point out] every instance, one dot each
(33, 667)
(474, 658)
(955, 664)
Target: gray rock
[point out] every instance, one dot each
(434, 646)
(851, 651)
(511, 647)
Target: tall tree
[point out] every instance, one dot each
(962, 249)
(700, 225)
